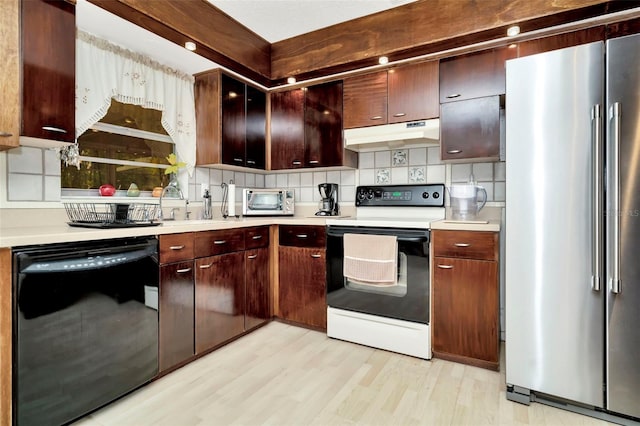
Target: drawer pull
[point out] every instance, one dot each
(220, 242)
(296, 162)
(251, 162)
(206, 266)
(377, 117)
(176, 247)
(302, 235)
(182, 271)
(454, 151)
(445, 266)
(314, 161)
(399, 114)
(316, 256)
(455, 95)
(257, 237)
(54, 129)
(6, 134)
(462, 245)
(238, 160)
(253, 256)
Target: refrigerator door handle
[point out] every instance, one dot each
(614, 213)
(596, 138)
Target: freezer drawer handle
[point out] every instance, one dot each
(462, 245)
(445, 266)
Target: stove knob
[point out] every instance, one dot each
(425, 195)
(361, 195)
(436, 195)
(370, 194)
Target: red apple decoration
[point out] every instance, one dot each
(107, 190)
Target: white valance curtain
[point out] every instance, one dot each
(105, 71)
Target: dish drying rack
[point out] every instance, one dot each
(111, 215)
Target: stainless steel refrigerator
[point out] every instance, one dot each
(573, 228)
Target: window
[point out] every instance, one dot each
(129, 145)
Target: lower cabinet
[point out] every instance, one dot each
(302, 275)
(257, 300)
(465, 305)
(219, 296)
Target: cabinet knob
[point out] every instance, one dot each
(54, 129)
(445, 266)
(455, 95)
(399, 114)
(454, 151)
(5, 134)
(176, 247)
(462, 244)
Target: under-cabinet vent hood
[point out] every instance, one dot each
(389, 136)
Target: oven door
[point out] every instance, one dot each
(408, 300)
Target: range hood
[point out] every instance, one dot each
(390, 136)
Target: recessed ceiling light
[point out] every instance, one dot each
(291, 80)
(383, 60)
(190, 46)
(513, 31)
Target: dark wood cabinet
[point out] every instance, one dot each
(230, 121)
(257, 300)
(404, 93)
(287, 130)
(219, 299)
(306, 128)
(471, 129)
(302, 276)
(474, 75)
(560, 41)
(465, 306)
(48, 31)
(176, 317)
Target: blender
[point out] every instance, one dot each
(329, 200)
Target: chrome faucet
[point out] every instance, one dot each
(172, 189)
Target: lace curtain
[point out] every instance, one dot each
(105, 71)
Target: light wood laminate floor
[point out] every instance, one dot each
(285, 375)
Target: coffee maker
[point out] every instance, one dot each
(329, 202)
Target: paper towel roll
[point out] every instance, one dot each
(232, 199)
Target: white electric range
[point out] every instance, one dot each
(396, 316)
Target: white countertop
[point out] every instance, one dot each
(492, 225)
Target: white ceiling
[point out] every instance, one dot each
(276, 20)
(273, 20)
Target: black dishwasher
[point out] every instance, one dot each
(85, 326)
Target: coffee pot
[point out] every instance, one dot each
(329, 200)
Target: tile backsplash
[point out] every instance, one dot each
(33, 174)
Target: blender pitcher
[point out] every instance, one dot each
(466, 201)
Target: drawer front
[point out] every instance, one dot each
(303, 236)
(211, 243)
(465, 244)
(256, 237)
(176, 247)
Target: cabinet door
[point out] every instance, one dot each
(287, 129)
(219, 299)
(365, 100)
(256, 128)
(49, 67)
(10, 75)
(176, 314)
(257, 287)
(465, 309)
(302, 285)
(470, 129)
(208, 134)
(323, 125)
(233, 121)
(413, 92)
(474, 75)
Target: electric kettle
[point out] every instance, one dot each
(466, 201)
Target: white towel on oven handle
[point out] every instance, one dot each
(371, 259)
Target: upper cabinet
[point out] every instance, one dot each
(44, 32)
(405, 93)
(560, 41)
(474, 75)
(306, 128)
(230, 120)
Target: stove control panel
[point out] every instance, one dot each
(431, 195)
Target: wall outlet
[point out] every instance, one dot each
(203, 187)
